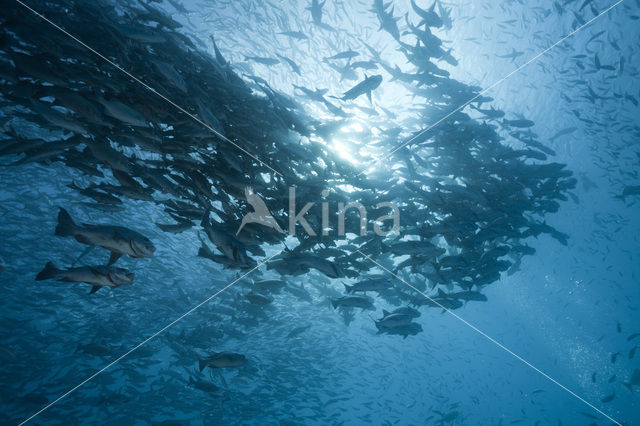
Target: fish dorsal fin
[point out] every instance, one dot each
(94, 289)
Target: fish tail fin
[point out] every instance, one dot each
(49, 271)
(66, 225)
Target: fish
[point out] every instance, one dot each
(298, 331)
(347, 54)
(258, 298)
(273, 286)
(315, 95)
(364, 302)
(117, 239)
(97, 276)
(468, 295)
(628, 191)
(299, 291)
(608, 398)
(316, 11)
(262, 60)
(388, 22)
(429, 17)
(491, 113)
(632, 336)
(123, 113)
(366, 65)
(330, 269)
(563, 132)
(298, 35)
(406, 310)
(176, 228)
(393, 321)
(294, 67)
(217, 52)
(513, 55)
(366, 86)
(99, 196)
(376, 284)
(206, 387)
(222, 360)
(410, 329)
(522, 123)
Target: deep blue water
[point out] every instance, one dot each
(552, 344)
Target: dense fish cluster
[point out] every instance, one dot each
(157, 119)
(467, 199)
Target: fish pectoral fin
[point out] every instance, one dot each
(369, 96)
(113, 258)
(94, 288)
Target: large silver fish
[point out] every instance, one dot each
(222, 360)
(97, 276)
(118, 239)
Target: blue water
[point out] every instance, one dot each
(540, 350)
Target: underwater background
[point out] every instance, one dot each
(505, 132)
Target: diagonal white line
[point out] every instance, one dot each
(137, 80)
(464, 105)
(500, 345)
(145, 341)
